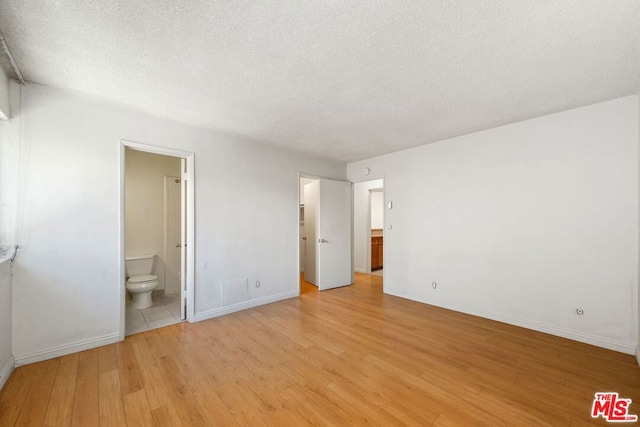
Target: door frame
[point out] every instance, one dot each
(189, 157)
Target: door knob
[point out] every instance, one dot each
(304, 238)
(323, 241)
(177, 245)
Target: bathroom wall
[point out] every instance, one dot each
(361, 224)
(6, 351)
(377, 209)
(67, 278)
(144, 205)
(523, 223)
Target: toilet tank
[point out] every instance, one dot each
(138, 265)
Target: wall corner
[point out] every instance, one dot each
(5, 110)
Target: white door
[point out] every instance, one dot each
(333, 234)
(172, 234)
(309, 238)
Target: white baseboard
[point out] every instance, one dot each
(50, 353)
(360, 270)
(638, 354)
(216, 312)
(6, 371)
(622, 347)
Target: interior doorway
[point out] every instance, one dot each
(376, 213)
(368, 228)
(157, 236)
(325, 244)
(307, 238)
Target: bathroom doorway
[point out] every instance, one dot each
(157, 222)
(368, 231)
(376, 212)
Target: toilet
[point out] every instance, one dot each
(140, 281)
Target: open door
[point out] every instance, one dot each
(172, 230)
(333, 234)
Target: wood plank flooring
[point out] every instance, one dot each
(305, 286)
(348, 356)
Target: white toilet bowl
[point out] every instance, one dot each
(141, 288)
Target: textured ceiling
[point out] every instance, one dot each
(339, 79)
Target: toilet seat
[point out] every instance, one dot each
(141, 287)
(142, 283)
(144, 278)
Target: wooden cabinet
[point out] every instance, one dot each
(376, 252)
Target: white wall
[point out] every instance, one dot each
(6, 353)
(523, 223)
(67, 282)
(10, 146)
(377, 210)
(9, 184)
(638, 292)
(5, 110)
(144, 205)
(361, 225)
(303, 182)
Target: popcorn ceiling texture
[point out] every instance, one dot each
(345, 80)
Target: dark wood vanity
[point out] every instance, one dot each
(377, 242)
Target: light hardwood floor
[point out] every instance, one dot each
(305, 286)
(348, 356)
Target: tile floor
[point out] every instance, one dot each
(164, 312)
